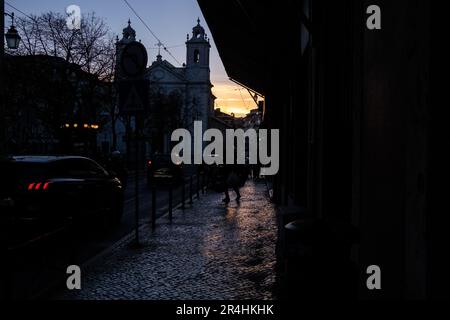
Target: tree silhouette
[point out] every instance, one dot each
(61, 75)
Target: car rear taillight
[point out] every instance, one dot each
(36, 186)
(149, 163)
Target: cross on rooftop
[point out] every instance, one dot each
(159, 44)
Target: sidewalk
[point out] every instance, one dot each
(210, 251)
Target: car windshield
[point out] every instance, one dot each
(163, 159)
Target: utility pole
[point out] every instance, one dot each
(133, 95)
(2, 99)
(2, 25)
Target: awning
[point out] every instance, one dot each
(238, 28)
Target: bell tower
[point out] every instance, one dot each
(197, 57)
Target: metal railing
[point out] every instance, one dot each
(196, 184)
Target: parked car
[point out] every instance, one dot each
(162, 170)
(116, 166)
(48, 190)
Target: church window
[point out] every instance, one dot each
(197, 56)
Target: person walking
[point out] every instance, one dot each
(232, 180)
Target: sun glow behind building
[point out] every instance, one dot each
(233, 99)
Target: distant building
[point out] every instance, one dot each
(52, 106)
(226, 118)
(253, 120)
(220, 123)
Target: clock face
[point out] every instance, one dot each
(158, 74)
(134, 59)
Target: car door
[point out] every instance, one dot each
(76, 191)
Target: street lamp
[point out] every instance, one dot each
(12, 36)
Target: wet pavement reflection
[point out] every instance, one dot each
(210, 251)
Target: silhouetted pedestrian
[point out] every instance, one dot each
(232, 180)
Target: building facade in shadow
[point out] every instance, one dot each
(354, 112)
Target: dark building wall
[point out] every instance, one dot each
(367, 143)
(353, 111)
(2, 52)
(393, 158)
(331, 109)
(369, 119)
(286, 94)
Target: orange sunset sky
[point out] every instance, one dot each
(232, 99)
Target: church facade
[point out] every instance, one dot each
(178, 96)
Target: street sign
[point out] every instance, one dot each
(133, 96)
(133, 60)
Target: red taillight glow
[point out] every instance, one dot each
(37, 186)
(149, 163)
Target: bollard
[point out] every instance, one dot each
(170, 202)
(153, 207)
(198, 186)
(72, 241)
(183, 193)
(203, 183)
(8, 276)
(190, 190)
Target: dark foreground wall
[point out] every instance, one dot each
(353, 106)
(393, 153)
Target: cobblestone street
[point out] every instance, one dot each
(210, 251)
